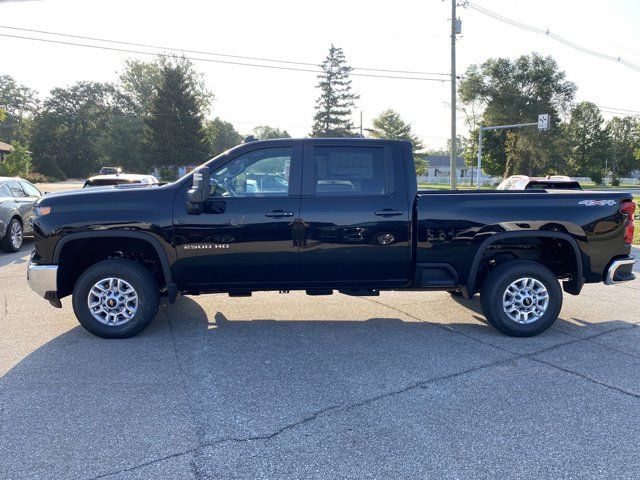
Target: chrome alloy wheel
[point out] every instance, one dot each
(112, 301)
(16, 235)
(525, 300)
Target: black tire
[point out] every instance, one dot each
(7, 244)
(495, 286)
(142, 282)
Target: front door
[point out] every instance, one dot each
(355, 215)
(244, 236)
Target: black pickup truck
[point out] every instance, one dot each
(321, 215)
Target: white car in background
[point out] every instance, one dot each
(550, 182)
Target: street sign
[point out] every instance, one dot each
(543, 121)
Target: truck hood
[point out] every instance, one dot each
(112, 195)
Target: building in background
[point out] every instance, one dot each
(439, 166)
(5, 149)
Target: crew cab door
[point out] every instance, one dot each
(356, 217)
(242, 236)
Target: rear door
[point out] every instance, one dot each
(354, 227)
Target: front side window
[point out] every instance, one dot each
(5, 191)
(258, 173)
(350, 171)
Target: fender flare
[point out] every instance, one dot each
(573, 286)
(172, 289)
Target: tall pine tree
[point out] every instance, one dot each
(333, 106)
(174, 133)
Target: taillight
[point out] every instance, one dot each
(629, 208)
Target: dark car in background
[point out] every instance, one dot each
(17, 197)
(121, 179)
(110, 171)
(550, 182)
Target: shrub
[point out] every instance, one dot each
(17, 163)
(35, 177)
(168, 174)
(49, 168)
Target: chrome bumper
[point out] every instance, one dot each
(43, 279)
(614, 276)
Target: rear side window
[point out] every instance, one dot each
(30, 189)
(348, 171)
(4, 191)
(17, 190)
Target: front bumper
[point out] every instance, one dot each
(620, 270)
(43, 279)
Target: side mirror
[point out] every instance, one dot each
(199, 190)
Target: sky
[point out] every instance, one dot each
(408, 35)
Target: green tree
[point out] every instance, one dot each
(588, 142)
(624, 139)
(174, 132)
(69, 132)
(265, 132)
(516, 91)
(220, 136)
(18, 104)
(139, 81)
(390, 125)
(333, 106)
(17, 163)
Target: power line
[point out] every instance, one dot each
(552, 35)
(621, 110)
(215, 54)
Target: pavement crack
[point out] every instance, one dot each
(310, 418)
(589, 379)
(360, 403)
(144, 464)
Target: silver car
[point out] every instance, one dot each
(17, 197)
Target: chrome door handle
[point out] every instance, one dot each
(278, 214)
(388, 213)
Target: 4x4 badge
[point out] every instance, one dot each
(597, 203)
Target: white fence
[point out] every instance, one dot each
(467, 180)
(607, 181)
(485, 180)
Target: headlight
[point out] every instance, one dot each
(39, 211)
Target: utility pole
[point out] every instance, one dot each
(452, 160)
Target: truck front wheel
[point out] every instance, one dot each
(521, 298)
(115, 298)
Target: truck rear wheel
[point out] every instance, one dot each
(115, 298)
(521, 298)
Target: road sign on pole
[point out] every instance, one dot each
(543, 121)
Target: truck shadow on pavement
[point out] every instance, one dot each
(194, 377)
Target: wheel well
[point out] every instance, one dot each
(557, 254)
(78, 255)
(17, 217)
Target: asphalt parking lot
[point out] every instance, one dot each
(405, 385)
